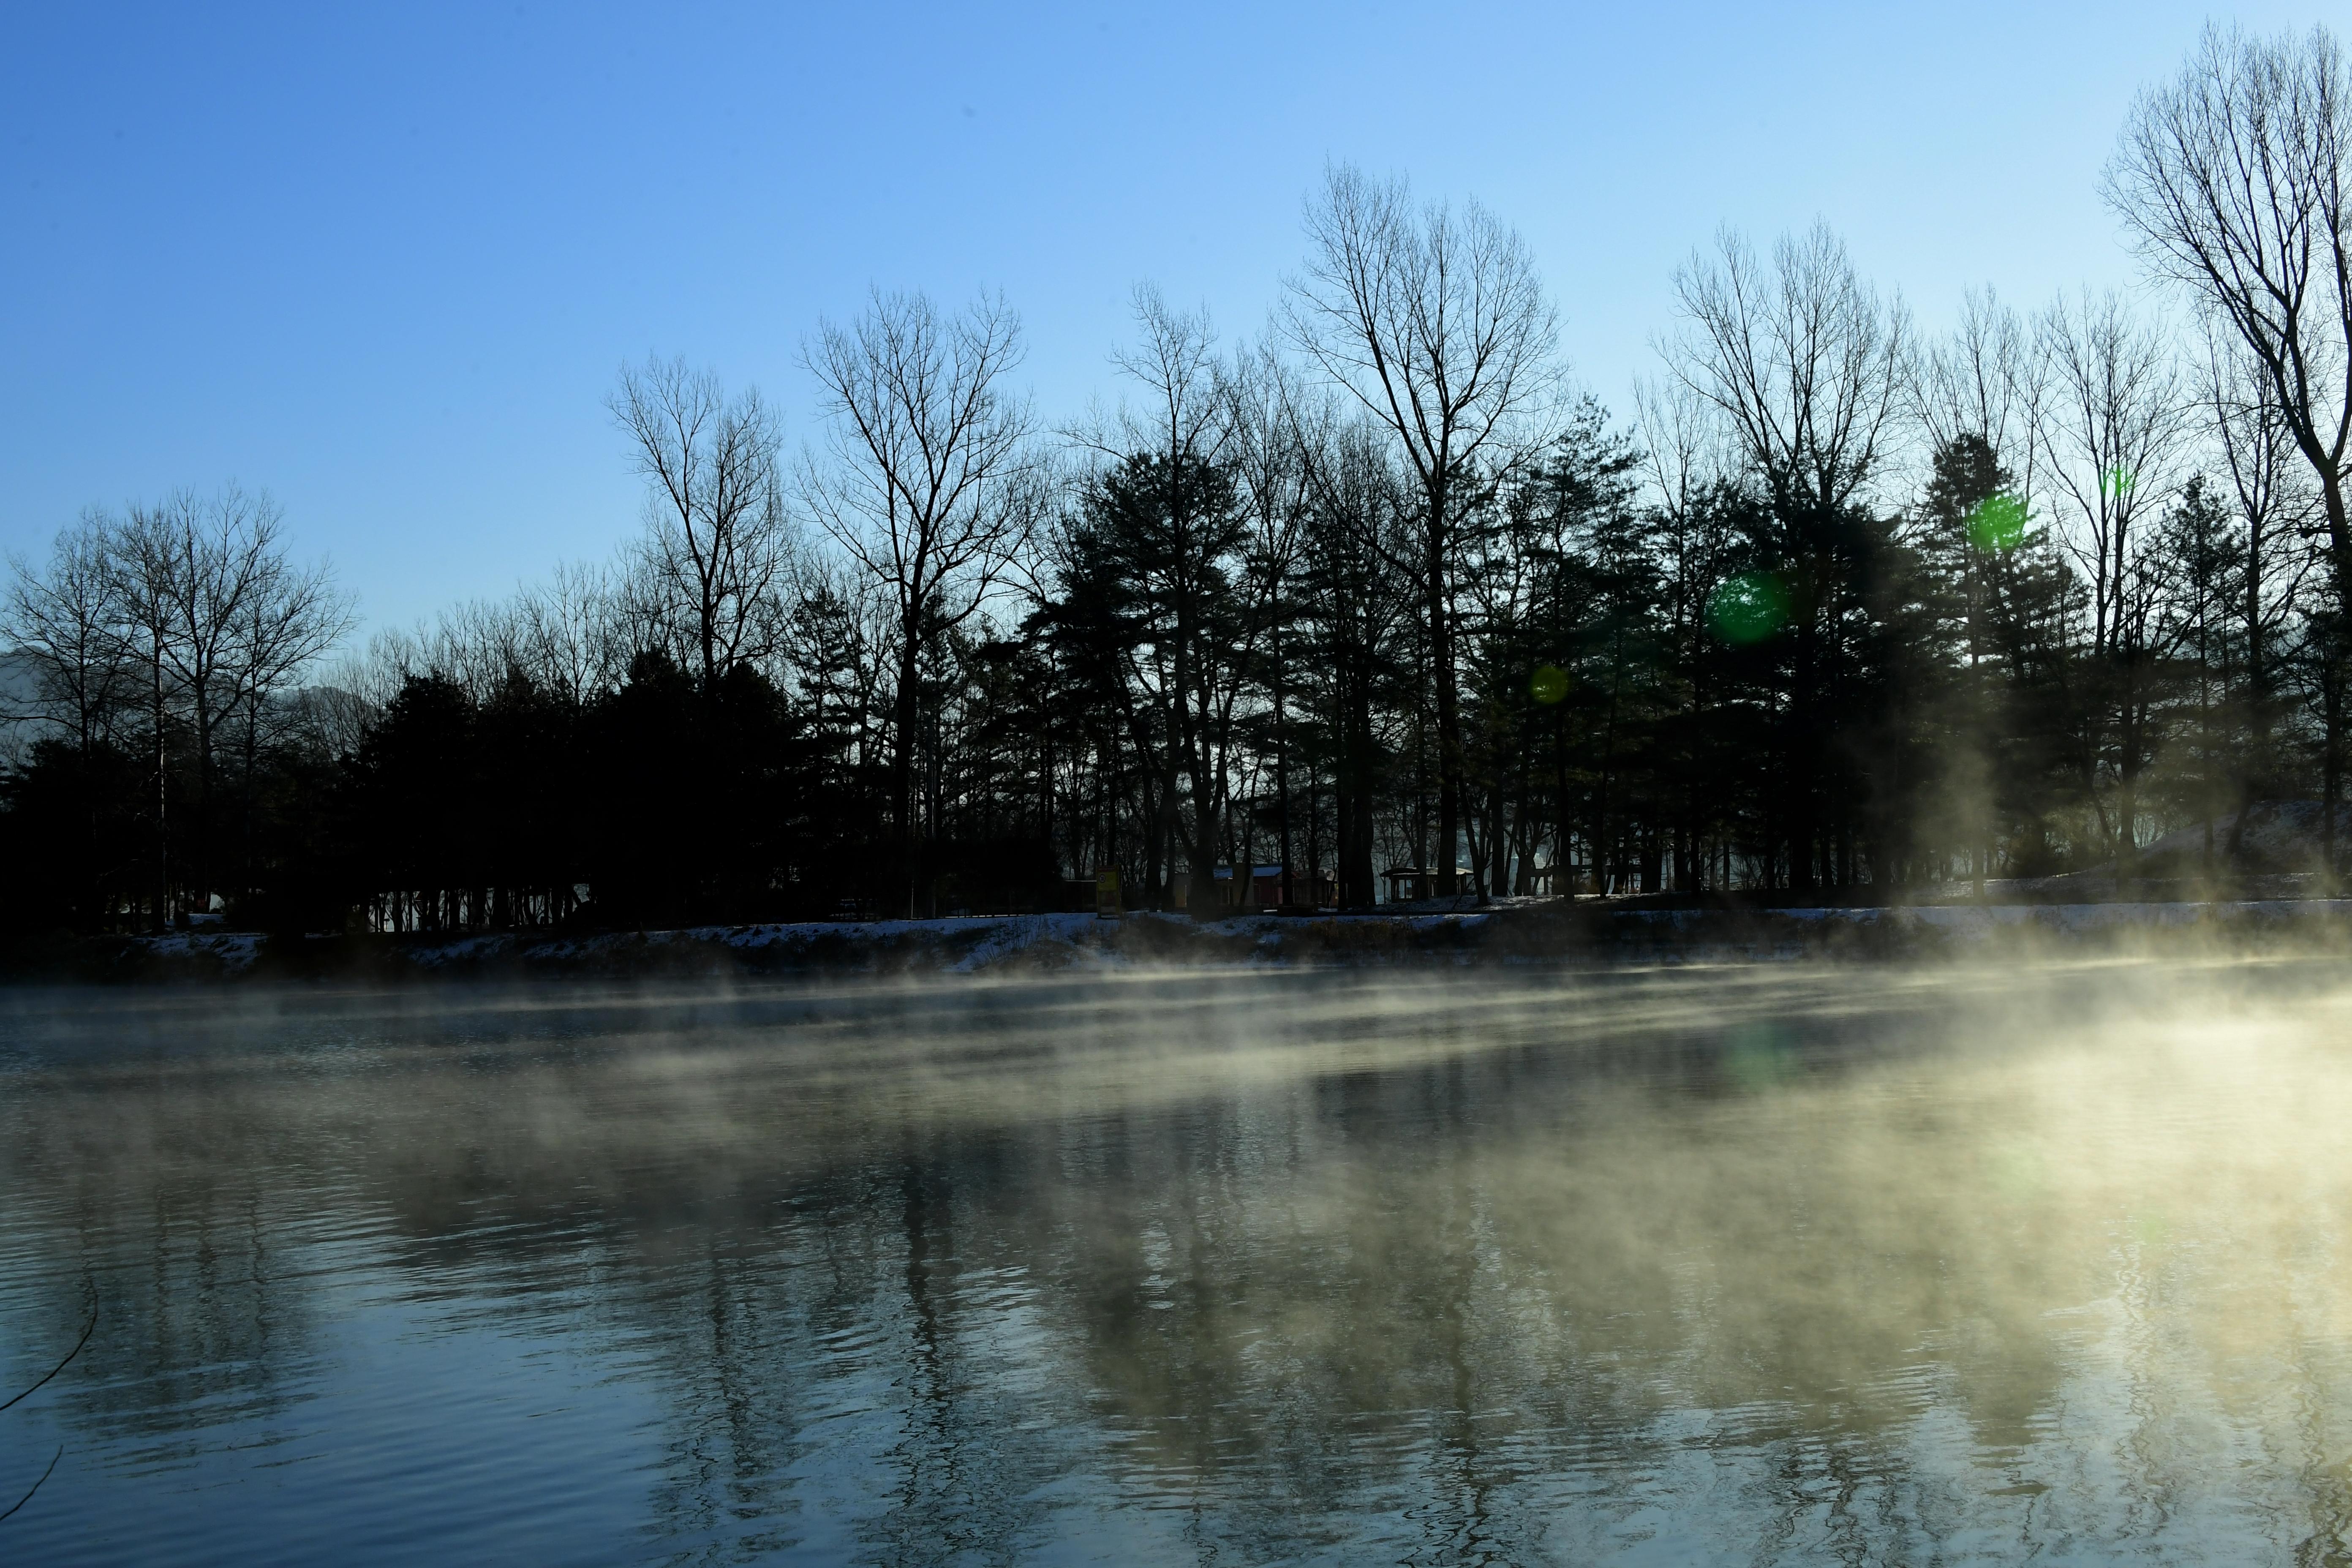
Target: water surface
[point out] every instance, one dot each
(1769, 1264)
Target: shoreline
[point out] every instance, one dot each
(1551, 932)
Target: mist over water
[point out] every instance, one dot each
(1787, 1264)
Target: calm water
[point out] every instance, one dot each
(1765, 1265)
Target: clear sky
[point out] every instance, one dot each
(385, 261)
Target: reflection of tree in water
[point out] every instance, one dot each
(969, 1454)
(27, 1392)
(180, 1255)
(1543, 1295)
(1490, 1300)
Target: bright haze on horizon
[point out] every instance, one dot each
(387, 265)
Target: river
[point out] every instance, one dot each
(1767, 1264)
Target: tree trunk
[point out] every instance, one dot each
(1357, 764)
(163, 800)
(1282, 780)
(902, 771)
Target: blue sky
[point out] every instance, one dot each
(385, 262)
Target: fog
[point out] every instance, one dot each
(1777, 1263)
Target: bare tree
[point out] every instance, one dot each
(218, 621)
(373, 675)
(719, 538)
(572, 635)
(67, 621)
(1985, 379)
(288, 616)
(928, 488)
(1359, 515)
(141, 551)
(1811, 374)
(2273, 548)
(1687, 464)
(2234, 180)
(1177, 534)
(565, 633)
(1269, 462)
(1185, 416)
(1804, 362)
(474, 643)
(2114, 428)
(471, 644)
(1684, 461)
(1436, 322)
(333, 714)
(837, 663)
(1978, 396)
(196, 562)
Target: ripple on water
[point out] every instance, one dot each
(1786, 1267)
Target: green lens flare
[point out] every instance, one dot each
(1548, 684)
(1997, 523)
(1759, 1058)
(1749, 608)
(2116, 482)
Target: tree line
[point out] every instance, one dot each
(1379, 598)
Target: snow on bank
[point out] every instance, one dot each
(230, 953)
(967, 945)
(1982, 919)
(970, 944)
(958, 945)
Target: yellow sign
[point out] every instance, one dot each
(1106, 894)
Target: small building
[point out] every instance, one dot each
(1261, 888)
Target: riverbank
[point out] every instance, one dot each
(1548, 932)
